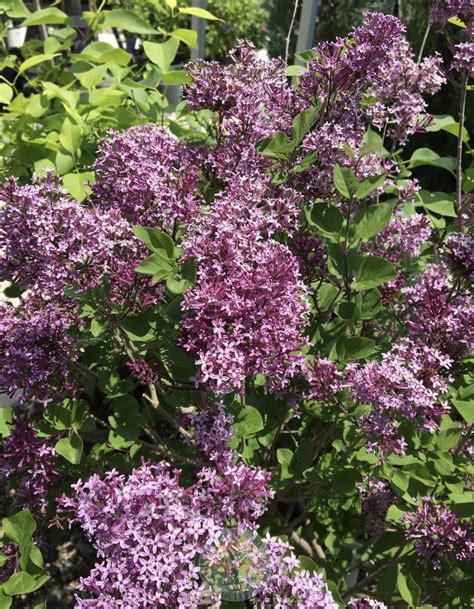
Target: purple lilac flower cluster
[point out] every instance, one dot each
(35, 348)
(373, 63)
(148, 175)
(252, 100)
(463, 58)
(376, 497)
(324, 380)
(402, 237)
(245, 314)
(442, 10)
(285, 585)
(142, 371)
(149, 531)
(212, 432)
(459, 254)
(438, 532)
(50, 242)
(438, 316)
(407, 384)
(33, 462)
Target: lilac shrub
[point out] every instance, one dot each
(242, 364)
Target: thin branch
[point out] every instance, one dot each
(154, 402)
(462, 118)
(290, 31)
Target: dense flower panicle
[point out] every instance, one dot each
(252, 100)
(237, 492)
(212, 432)
(285, 585)
(442, 10)
(376, 497)
(148, 531)
(32, 460)
(148, 175)
(438, 532)
(407, 384)
(45, 237)
(312, 256)
(142, 372)
(245, 314)
(463, 58)
(402, 237)
(459, 254)
(147, 535)
(50, 243)
(370, 77)
(35, 348)
(323, 378)
(437, 315)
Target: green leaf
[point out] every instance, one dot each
(449, 124)
(20, 528)
(189, 37)
(35, 60)
(456, 21)
(162, 53)
(14, 8)
(349, 311)
(371, 220)
(295, 70)
(437, 202)
(327, 218)
(303, 123)
(6, 416)
(409, 590)
(77, 184)
(345, 181)
(277, 147)
(177, 286)
(70, 448)
(46, 16)
(156, 265)
(394, 515)
(199, 12)
(176, 77)
(155, 240)
(70, 136)
(6, 93)
(465, 409)
(350, 348)
(23, 583)
(308, 564)
(5, 601)
(373, 271)
(426, 156)
(129, 21)
(369, 185)
(249, 421)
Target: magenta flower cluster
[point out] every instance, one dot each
(376, 497)
(245, 315)
(437, 315)
(442, 10)
(32, 461)
(286, 585)
(439, 533)
(149, 533)
(407, 384)
(148, 175)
